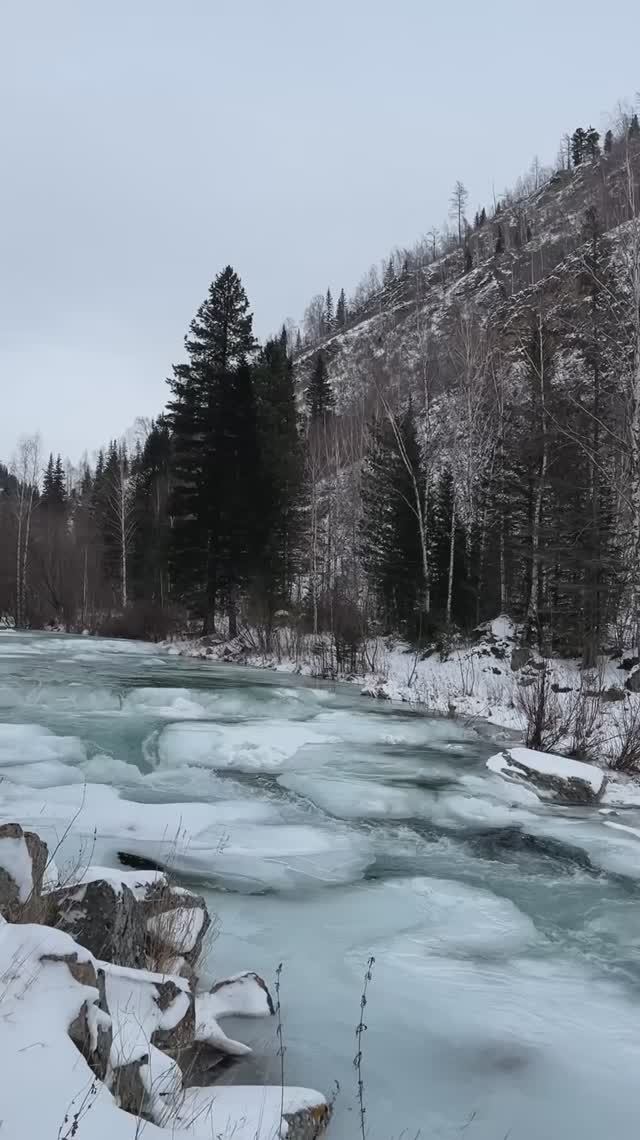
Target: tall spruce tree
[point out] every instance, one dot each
(212, 420)
(391, 542)
(578, 145)
(592, 143)
(280, 483)
(608, 142)
(341, 310)
(320, 398)
(329, 315)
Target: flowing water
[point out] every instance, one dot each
(325, 828)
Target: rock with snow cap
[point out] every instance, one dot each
(102, 916)
(558, 778)
(23, 860)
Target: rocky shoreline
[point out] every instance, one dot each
(107, 963)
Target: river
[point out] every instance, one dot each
(325, 828)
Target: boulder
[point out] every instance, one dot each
(553, 777)
(91, 1029)
(176, 922)
(520, 656)
(23, 860)
(103, 917)
(147, 1007)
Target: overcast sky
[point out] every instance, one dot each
(147, 143)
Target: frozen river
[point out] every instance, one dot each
(325, 828)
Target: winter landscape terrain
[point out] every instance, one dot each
(320, 698)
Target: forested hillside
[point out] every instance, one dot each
(460, 438)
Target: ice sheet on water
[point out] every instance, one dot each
(245, 747)
(346, 796)
(458, 919)
(241, 843)
(252, 702)
(32, 744)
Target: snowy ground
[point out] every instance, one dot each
(473, 682)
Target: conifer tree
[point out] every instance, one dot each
(341, 310)
(47, 482)
(280, 484)
(212, 419)
(608, 142)
(634, 127)
(329, 315)
(592, 143)
(578, 145)
(391, 542)
(320, 398)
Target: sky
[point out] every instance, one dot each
(145, 144)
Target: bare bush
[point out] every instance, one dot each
(542, 712)
(584, 716)
(625, 756)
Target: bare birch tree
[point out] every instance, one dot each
(26, 468)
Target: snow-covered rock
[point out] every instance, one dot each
(176, 920)
(23, 859)
(243, 995)
(555, 777)
(249, 1112)
(83, 1042)
(102, 916)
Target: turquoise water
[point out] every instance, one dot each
(324, 828)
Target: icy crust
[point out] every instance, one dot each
(232, 842)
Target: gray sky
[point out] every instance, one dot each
(147, 143)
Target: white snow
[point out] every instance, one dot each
(547, 764)
(179, 929)
(138, 882)
(240, 995)
(240, 1112)
(135, 1013)
(45, 1081)
(16, 861)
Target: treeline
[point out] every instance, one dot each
(480, 455)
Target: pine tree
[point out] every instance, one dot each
(298, 341)
(341, 310)
(592, 143)
(608, 142)
(389, 274)
(499, 246)
(634, 127)
(47, 483)
(280, 494)
(212, 419)
(320, 398)
(329, 316)
(391, 548)
(150, 549)
(578, 145)
(483, 216)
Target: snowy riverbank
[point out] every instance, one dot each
(480, 681)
